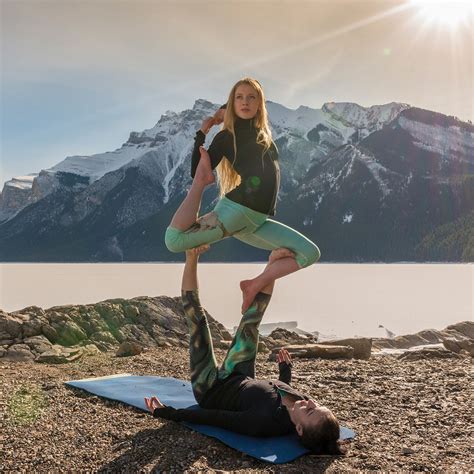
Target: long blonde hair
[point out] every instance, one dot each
(228, 178)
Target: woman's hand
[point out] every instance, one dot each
(219, 116)
(207, 123)
(153, 403)
(284, 356)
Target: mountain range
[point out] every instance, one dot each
(385, 183)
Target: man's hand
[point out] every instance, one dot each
(153, 403)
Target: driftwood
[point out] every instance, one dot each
(312, 351)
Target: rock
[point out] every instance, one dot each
(262, 347)
(90, 349)
(281, 337)
(103, 336)
(38, 344)
(19, 353)
(10, 325)
(70, 334)
(466, 345)
(129, 348)
(316, 350)
(60, 355)
(362, 346)
(406, 450)
(464, 327)
(428, 353)
(131, 312)
(432, 336)
(49, 332)
(162, 342)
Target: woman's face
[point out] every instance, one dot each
(246, 101)
(308, 412)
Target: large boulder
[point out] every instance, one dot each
(19, 353)
(459, 345)
(466, 328)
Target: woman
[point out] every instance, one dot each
(246, 159)
(230, 397)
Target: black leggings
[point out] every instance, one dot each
(242, 353)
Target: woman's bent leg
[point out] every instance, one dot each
(198, 234)
(201, 353)
(273, 234)
(241, 355)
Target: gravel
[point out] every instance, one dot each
(408, 416)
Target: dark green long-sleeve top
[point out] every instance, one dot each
(259, 172)
(242, 404)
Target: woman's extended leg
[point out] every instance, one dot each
(201, 353)
(271, 235)
(241, 355)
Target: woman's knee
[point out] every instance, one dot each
(309, 256)
(174, 240)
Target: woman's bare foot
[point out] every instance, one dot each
(204, 174)
(250, 288)
(249, 291)
(282, 252)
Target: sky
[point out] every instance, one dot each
(78, 76)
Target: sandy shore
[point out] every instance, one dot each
(408, 416)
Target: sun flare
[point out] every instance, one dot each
(447, 13)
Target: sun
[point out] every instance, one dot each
(445, 13)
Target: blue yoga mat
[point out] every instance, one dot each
(131, 389)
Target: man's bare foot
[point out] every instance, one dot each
(281, 252)
(204, 174)
(249, 291)
(196, 251)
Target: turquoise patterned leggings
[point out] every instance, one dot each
(242, 352)
(254, 228)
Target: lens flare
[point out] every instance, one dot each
(446, 13)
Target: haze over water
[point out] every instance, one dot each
(339, 299)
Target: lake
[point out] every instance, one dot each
(333, 298)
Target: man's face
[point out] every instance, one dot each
(246, 101)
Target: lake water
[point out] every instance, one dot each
(334, 299)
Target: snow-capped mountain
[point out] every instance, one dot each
(348, 168)
(163, 149)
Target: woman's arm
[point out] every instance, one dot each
(284, 366)
(218, 146)
(245, 422)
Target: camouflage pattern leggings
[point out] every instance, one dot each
(241, 355)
